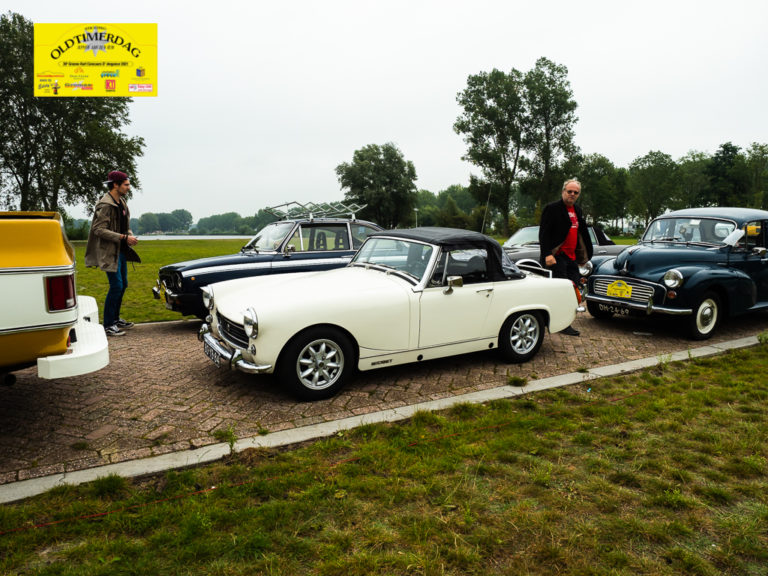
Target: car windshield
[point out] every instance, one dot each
(270, 237)
(406, 256)
(524, 236)
(696, 230)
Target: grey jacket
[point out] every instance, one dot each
(104, 239)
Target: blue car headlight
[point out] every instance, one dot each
(673, 278)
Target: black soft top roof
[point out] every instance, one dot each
(454, 239)
(444, 237)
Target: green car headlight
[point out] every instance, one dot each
(673, 278)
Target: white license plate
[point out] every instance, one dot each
(613, 309)
(212, 354)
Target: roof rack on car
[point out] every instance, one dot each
(311, 210)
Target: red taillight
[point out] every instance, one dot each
(61, 292)
(578, 293)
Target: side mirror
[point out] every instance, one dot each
(453, 282)
(759, 251)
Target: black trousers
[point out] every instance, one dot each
(566, 268)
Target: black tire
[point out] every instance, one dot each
(594, 309)
(317, 363)
(521, 336)
(705, 317)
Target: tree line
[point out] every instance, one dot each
(518, 128)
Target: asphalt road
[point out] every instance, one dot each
(160, 394)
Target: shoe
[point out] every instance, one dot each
(114, 331)
(570, 331)
(124, 324)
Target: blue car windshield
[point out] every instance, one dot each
(695, 230)
(270, 237)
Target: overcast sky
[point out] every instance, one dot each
(258, 102)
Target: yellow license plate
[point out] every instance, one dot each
(619, 289)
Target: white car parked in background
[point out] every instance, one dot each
(407, 296)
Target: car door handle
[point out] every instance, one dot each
(489, 290)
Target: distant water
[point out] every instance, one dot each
(192, 237)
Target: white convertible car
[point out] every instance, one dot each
(406, 296)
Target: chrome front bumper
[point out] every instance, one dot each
(646, 307)
(224, 357)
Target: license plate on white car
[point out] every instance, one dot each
(212, 354)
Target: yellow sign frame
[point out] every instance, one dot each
(72, 60)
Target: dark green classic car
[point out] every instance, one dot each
(700, 263)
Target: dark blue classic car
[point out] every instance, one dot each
(701, 264)
(294, 245)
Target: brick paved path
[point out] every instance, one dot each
(160, 394)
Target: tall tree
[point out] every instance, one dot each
(493, 125)
(652, 182)
(728, 177)
(552, 115)
(382, 178)
(600, 186)
(757, 167)
(692, 172)
(54, 151)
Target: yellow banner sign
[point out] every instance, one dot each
(95, 60)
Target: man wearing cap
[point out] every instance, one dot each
(109, 247)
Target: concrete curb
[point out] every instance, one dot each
(28, 488)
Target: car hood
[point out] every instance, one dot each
(652, 260)
(217, 261)
(276, 295)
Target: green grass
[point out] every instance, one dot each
(138, 303)
(659, 472)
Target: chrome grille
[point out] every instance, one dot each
(640, 292)
(232, 332)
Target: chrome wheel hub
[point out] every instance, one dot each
(320, 364)
(524, 334)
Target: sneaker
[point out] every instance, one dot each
(114, 331)
(124, 324)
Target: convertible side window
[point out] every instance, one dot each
(471, 265)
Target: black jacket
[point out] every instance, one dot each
(554, 228)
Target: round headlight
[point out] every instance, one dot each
(207, 297)
(179, 281)
(586, 269)
(251, 323)
(673, 278)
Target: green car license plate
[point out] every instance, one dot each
(613, 309)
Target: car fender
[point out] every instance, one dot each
(735, 288)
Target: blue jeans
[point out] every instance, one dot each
(118, 282)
